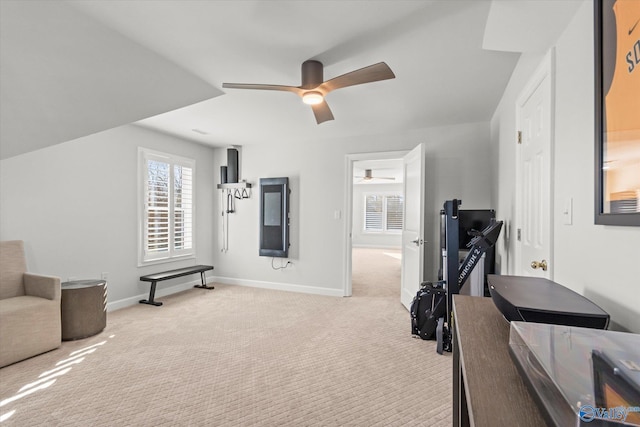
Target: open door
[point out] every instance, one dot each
(413, 225)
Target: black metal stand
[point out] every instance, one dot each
(204, 283)
(457, 273)
(451, 212)
(152, 294)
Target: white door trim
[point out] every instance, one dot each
(350, 159)
(546, 69)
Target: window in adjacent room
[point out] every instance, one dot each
(167, 203)
(383, 213)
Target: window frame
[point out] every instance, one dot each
(144, 155)
(385, 195)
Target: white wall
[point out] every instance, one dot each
(373, 239)
(458, 165)
(75, 206)
(600, 262)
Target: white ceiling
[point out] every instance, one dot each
(72, 68)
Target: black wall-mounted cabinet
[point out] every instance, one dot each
(274, 217)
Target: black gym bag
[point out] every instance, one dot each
(429, 305)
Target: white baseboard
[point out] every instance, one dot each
(163, 292)
(369, 246)
(280, 286)
(160, 292)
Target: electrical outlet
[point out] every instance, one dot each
(104, 276)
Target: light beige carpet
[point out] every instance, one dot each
(376, 273)
(239, 356)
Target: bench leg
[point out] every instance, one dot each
(204, 282)
(152, 294)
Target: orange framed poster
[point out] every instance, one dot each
(617, 108)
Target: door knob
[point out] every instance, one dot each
(542, 264)
(416, 241)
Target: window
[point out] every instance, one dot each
(395, 207)
(167, 202)
(383, 212)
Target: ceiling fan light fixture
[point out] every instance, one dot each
(312, 98)
(314, 88)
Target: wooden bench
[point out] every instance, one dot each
(172, 274)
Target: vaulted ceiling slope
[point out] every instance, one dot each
(63, 75)
(72, 68)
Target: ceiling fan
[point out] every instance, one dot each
(313, 88)
(368, 176)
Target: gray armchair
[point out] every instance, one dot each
(29, 307)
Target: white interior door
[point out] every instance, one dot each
(534, 232)
(413, 224)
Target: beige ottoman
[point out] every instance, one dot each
(83, 308)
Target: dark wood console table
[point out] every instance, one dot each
(487, 388)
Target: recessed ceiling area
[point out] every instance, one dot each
(510, 24)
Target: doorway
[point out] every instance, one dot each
(377, 218)
(534, 174)
(373, 226)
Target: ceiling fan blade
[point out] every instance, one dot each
(293, 89)
(372, 73)
(368, 176)
(322, 112)
(371, 178)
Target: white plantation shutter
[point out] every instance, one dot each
(168, 205)
(395, 207)
(183, 208)
(157, 209)
(373, 213)
(383, 212)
